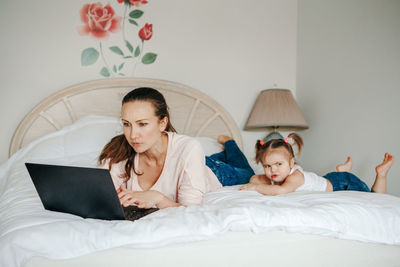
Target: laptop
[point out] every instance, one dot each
(86, 192)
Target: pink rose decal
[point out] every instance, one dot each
(135, 3)
(99, 20)
(146, 32)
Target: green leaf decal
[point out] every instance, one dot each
(130, 47)
(89, 56)
(115, 69)
(121, 66)
(128, 57)
(133, 22)
(137, 51)
(135, 14)
(117, 50)
(121, 74)
(149, 58)
(104, 72)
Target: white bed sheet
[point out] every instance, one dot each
(27, 230)
(272, 248)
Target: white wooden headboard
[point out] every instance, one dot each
(192, 112)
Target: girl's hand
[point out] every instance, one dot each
(145, 199)
(259, 179)
(249, 187)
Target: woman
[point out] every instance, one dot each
(150, 164)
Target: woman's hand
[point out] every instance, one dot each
(249, 187)
(142, 199)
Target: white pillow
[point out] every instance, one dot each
(210, 145)
(77, 144)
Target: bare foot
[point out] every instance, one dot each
(223, 138)
(345, 167)
(382, 169)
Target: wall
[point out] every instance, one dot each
(228, 49)
(348, 77)
(347, 65)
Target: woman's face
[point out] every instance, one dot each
(142, 128)
(277, 164)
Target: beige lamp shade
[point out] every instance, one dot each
(276, 108)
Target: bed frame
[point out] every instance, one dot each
(196, 114)
(192, 112)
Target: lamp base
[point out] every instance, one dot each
(272, 135)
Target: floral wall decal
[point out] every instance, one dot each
(100, 21)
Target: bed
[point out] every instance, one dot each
(230, 228)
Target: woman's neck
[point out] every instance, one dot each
(158, 152)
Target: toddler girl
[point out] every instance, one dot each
(283, 175)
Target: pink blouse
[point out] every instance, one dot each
(185, 177)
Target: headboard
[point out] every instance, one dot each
(192, 112)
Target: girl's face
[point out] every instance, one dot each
(277, 164)
(142, 128)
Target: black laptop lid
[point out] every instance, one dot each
(86, 192)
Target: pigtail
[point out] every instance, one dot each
(297, 140)
(260, 148)
(260, 144)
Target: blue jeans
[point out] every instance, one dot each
(230, 166)
(346, 181)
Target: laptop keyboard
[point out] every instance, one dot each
(133, 212)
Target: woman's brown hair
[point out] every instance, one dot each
(263, 147)
(118, 149)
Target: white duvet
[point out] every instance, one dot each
(27, 230)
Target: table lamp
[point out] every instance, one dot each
(273, 109)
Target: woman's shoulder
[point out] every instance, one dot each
(184, 147)
(115, 167)
(183, 141)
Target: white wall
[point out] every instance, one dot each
(348, 65)
(228, 49)
(348, 84)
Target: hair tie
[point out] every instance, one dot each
(286, 140)
(261, 142)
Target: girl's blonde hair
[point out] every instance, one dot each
(263, 147)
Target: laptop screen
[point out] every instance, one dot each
(86, 192)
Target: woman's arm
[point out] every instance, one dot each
(145, 199)
(196, 178)
(291, 183)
